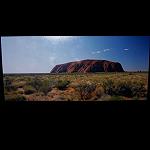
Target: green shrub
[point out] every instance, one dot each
(125, 88)
(36, 83)
(41, 85)
(45, 87)
(85, 90)
(28, 89)
(62, 84)
(120, 88)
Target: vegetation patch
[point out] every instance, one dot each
(79, 87)
(28, 89)
(46, 86)
(62, 84)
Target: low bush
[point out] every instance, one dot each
(29, 90)
(62, 84)
(125, 88)
(46, 87)
(36, 83)
(85, 90)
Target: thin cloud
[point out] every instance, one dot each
(105, 50)
(96, 52)
(126, 49)
(100, 51)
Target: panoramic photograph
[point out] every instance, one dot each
(75, 68)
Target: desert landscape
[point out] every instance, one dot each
(70, 84)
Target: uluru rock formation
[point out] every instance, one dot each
(87, 66)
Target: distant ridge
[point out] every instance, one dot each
(87, 66)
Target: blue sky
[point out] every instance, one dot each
(39, 54)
